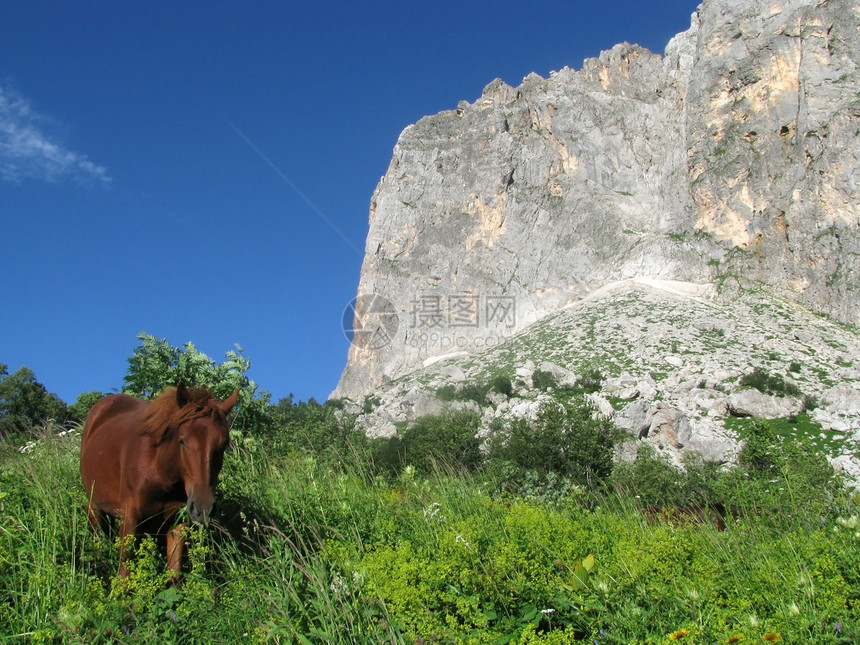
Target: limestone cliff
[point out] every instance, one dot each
(733, 159)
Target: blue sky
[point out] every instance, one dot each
(133, 196)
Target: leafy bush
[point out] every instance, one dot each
(502, 384)
(590, 381)
(760, 453)
(768, 383)
(81, 407)
(651, 479)
(446, 392)
(155, 365)
(783, 477)
(323, 432)
(476, 392)
(567, 439)
(446, 440)
(543, 380)
(25, 403)
(370, 403)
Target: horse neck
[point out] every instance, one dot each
(166, 459)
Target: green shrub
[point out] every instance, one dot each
(324, 432)
(370, 403)
(768, 383)
(25, 403)
(433, 442)
(542, 380)
(502, 384)
(155, 365)
(476, 392)
(446, 392)
(759, 455)
(81, 407)
(590, 381)
(567, 439)
(650, 478)
(473, 392)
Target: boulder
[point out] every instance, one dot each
(749, 402)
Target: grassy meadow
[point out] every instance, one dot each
(323, 542)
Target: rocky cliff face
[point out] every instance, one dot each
(733, 159)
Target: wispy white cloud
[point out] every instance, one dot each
(26, 152)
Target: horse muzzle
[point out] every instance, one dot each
(200, 510)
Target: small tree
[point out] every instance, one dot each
(155, 365)
(436, 440)
(567, 439)
(543, 380)
(25, 403)
(80, 408)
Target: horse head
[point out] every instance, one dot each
(201, 442)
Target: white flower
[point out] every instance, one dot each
(432, 512)
(460, 538)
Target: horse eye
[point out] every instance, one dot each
(182, 441)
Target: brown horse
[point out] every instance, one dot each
(142, 461)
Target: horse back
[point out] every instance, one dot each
(108, 409)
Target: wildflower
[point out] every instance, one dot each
(338, 586)
(678, 634)
(772, 637)
(546, 612)
(838, 626)
(432, 511)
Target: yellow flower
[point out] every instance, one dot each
(679, 634)
(772, 637)
(733, 639)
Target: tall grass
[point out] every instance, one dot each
(313, 550)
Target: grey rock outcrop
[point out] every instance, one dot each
(619, 338)
(748, 402)
(732, 159)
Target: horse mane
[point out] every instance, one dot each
(163, 415)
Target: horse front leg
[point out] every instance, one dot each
(98, 519)
(127, 530)
(175, 538)
(175, 549)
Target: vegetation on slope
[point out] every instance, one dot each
(322, 536)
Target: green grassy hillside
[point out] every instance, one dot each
(337, 546)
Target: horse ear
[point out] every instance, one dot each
(182, 395)
(227, 404)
